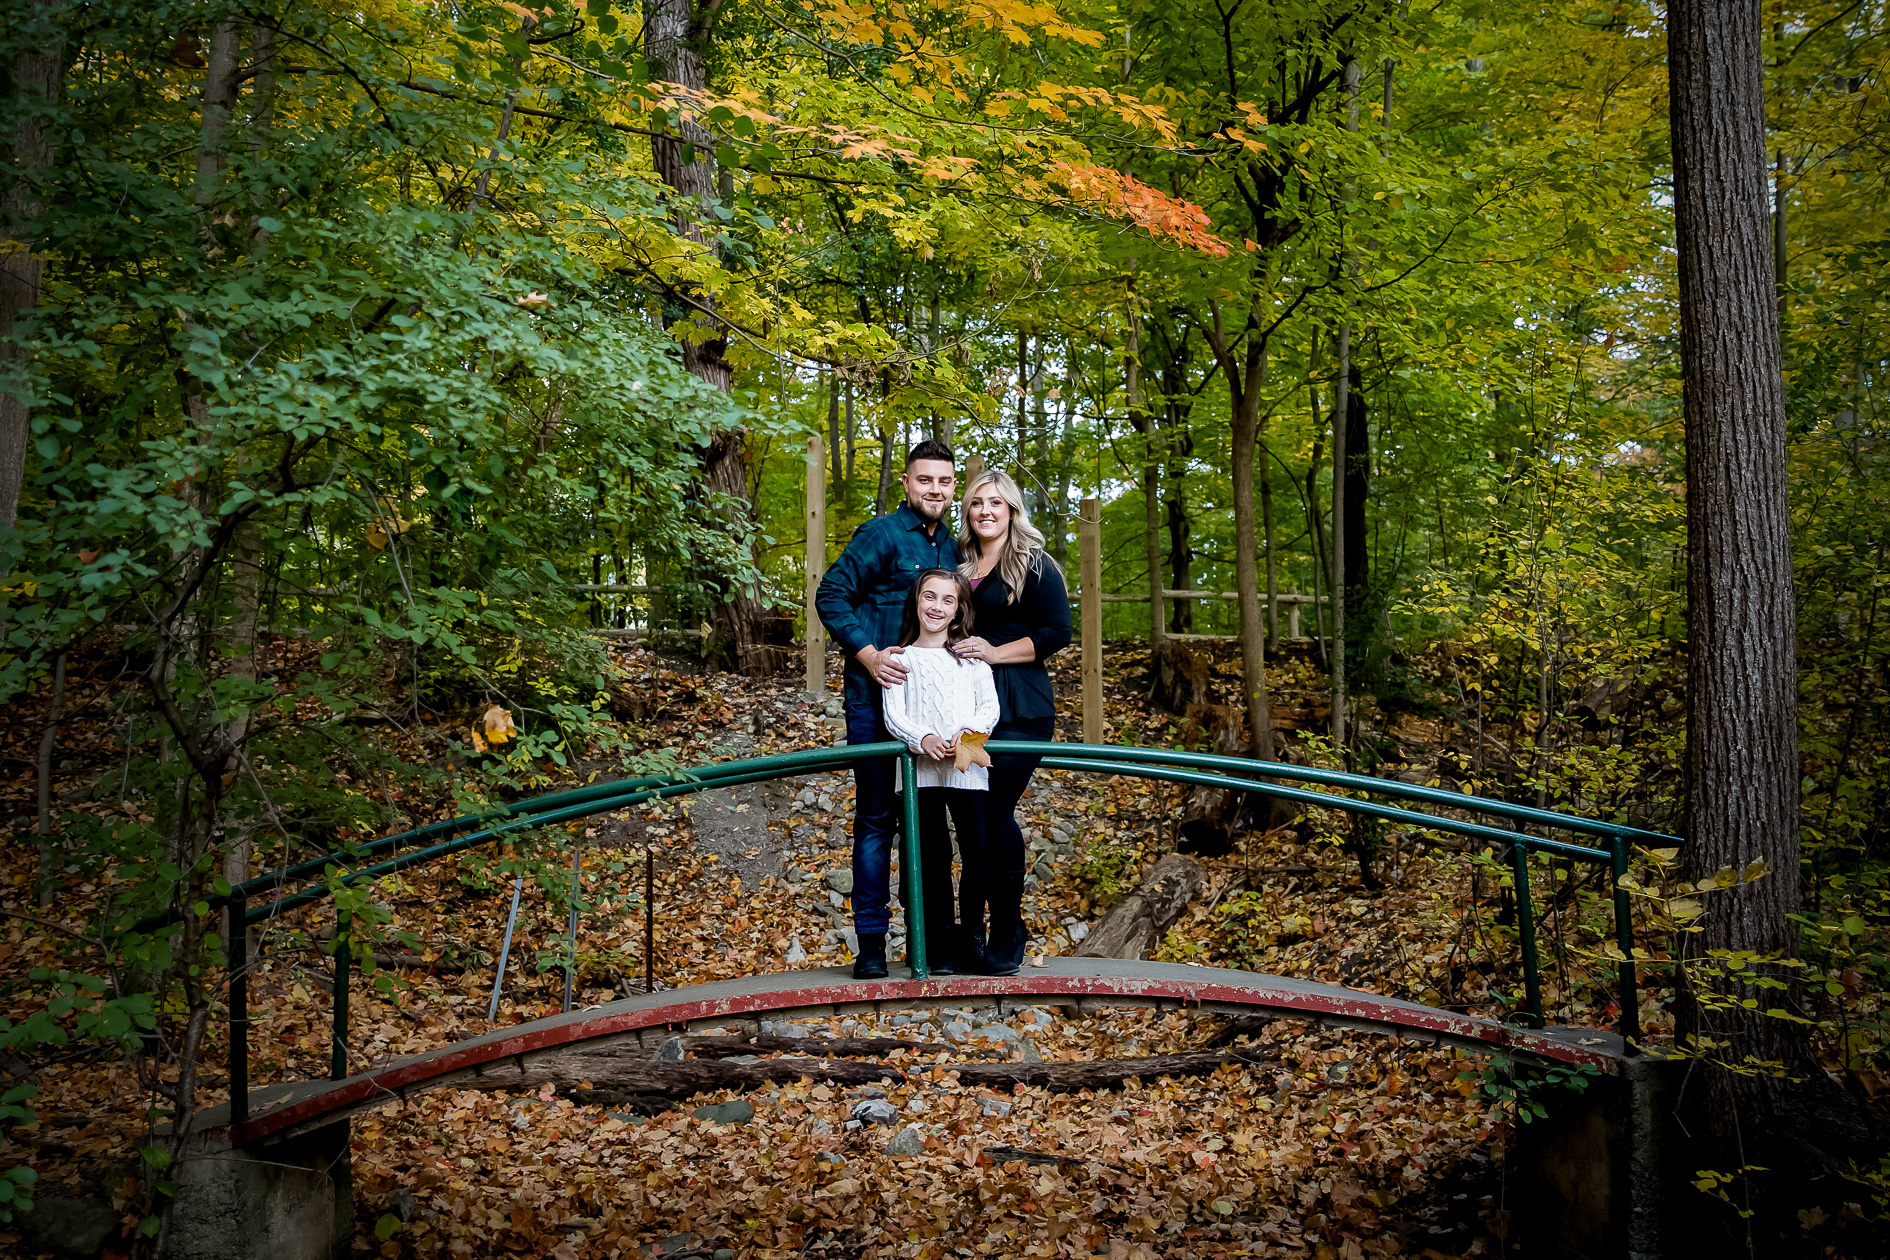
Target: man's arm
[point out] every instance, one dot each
(842, 588)
(866, 562)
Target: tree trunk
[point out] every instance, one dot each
(35, 76)
(1142, 417)
(1244, 379)
(1342, 391)
(1357, 570)
(675, 34)
(1741, 751)
(1135, 924)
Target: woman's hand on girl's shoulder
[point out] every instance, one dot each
(972, 649)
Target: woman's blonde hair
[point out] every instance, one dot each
(1023, 546)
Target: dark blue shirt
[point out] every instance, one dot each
(863, 594)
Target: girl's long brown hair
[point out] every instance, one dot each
(955, 633)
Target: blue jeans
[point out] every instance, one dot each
(875, 820)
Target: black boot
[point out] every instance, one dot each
(1004, 951)
(870, 962)
(942, 950)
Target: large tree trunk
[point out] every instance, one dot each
(676, 33)
(1357, 570)
(1142, 417)
(34, 82)
(1741, 753)
(1244, 377)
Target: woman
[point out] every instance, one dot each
(1021, 609)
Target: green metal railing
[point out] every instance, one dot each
(269, 895)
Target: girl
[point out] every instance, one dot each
(941, 699)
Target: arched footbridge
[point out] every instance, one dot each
(268, 1120)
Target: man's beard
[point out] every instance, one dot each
(927, 515)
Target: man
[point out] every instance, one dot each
(860, 602)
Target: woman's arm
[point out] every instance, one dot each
(1045, 603)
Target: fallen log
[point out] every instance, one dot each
(1067, 1077)
(611, 1077)
(819, 1047)
(1134, 924)
(596, 1075)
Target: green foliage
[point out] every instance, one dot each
(1528, 1090)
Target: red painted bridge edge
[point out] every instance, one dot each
(1182, 986)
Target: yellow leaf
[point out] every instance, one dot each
(1755, 869)
(499, 725)
(1685, 908)
(376, 536)
(479, 744)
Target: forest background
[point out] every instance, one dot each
(392, 324)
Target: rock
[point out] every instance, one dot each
(674, 1245)
(1031, 1054)
(795, 955)
(908, 1141)
(68, 1227)
(826, 805)
(996, 1106)
(837, 835)
(792, 874)
(743, 1058)
(671, 1051)
(785, 1029)
(864, 1091)
(957, 1030)
(819, 1128)
(998, 1032)
(840, 879)
(734, 1111)
(807, 796)
(852, 940)
(629, 1117)
(1044, 868)
(874, 1111)
(723, 1253)
(835, 899)
(917, 1104)
(1079, 932)
(832, 1157)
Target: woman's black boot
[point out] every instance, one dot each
(943, 955)
(1004, 951)
(870, 963)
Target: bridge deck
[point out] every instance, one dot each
(282, 1110)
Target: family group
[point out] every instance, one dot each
(946, 633)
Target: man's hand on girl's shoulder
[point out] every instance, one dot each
(886, 667)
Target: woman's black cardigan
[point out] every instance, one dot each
(1042, 615)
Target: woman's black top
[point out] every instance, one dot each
(1042, 615)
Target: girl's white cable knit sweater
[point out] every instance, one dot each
(942, 696)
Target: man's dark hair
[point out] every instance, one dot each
(931, 448)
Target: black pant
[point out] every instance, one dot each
(967, 809)
(1010, 775)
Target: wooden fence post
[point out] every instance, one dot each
(1089, 548)
(816, 678)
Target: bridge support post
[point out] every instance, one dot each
(290, 1200)
(1593, 1177)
